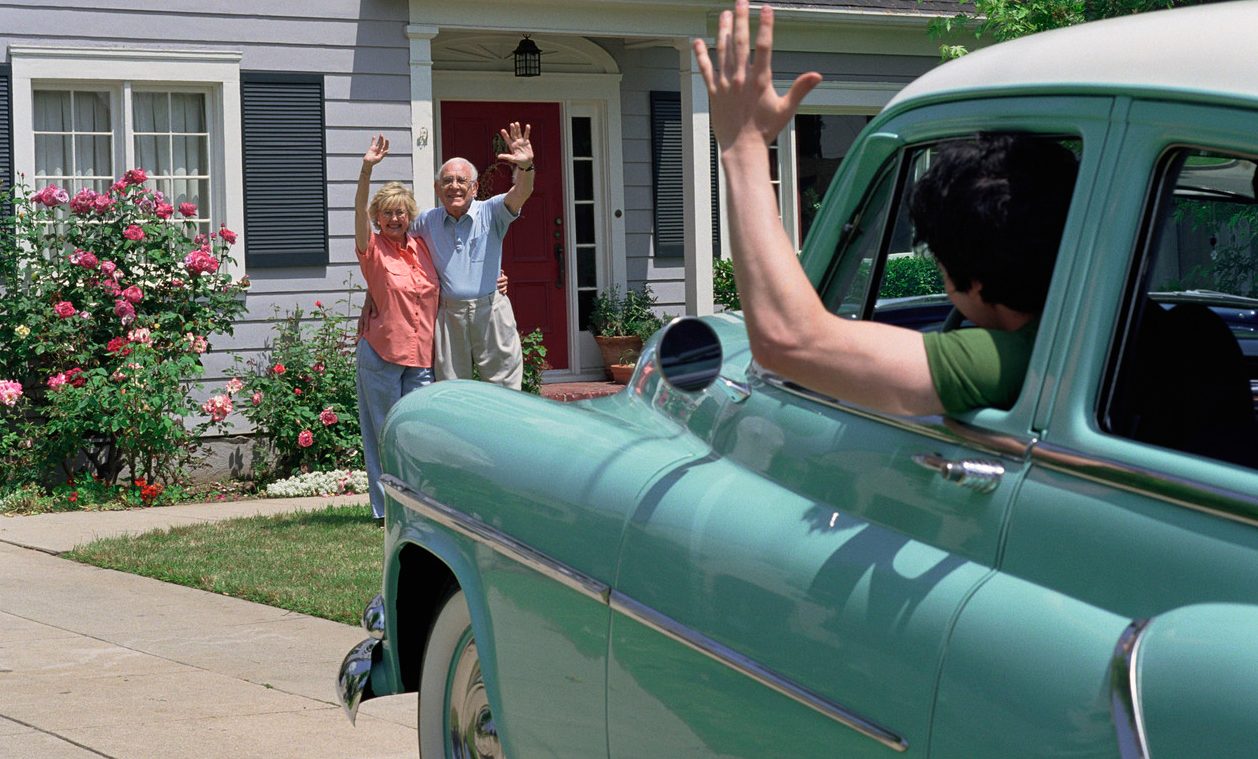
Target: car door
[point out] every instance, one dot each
(1122, 617)
(793, 593)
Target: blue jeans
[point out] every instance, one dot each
(380, 385)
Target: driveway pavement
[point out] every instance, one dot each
(98, 663)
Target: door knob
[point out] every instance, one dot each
(975, 474)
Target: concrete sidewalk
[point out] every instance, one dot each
(97, 663)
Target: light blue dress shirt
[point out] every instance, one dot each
(467, 250)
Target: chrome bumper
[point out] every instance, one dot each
(353, 680)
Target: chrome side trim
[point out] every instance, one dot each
(702, 644)
(1191, 494)
(1125, 694)
(494, 538)
(938, 427)
(374, 617)
(505, 545)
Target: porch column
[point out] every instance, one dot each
(423, 131)
(697, 173)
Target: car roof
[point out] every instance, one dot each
(1205, 50)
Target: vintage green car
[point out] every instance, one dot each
(719, 562)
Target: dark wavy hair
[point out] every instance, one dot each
(992, 209)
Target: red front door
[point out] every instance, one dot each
(533, 253)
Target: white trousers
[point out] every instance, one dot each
(480, 333)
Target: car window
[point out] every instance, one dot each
(877, 247)
(1184, 367)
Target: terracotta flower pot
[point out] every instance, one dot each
(617, 348)
(621, 373)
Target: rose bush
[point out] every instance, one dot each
(301, 397)
(108, 305)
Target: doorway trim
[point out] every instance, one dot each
(596, 96)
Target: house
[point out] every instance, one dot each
(261, 115)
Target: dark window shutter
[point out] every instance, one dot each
(668, 178)
(6, 128)
(286, 198)
(667, 184)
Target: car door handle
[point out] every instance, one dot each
(975, 474)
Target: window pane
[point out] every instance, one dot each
(91, 112)
(585, 224)
(821, 141)
(92, 156)
(585, 304)
(583, 180)
(153, 154)
(150, 112)
(586, 274)
(191, 191)
(190, 156)
(52, 155)
(187, 112)
(52, 111)
(582, 145)
(1187, 376)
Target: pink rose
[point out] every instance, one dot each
(108, 268)
(188, 209)
(10, 392)
(278, 369)
(75, 377)
(305, 438)
(83, 202)
(228, 236)
(257, 398)
(328, 417)
(65, 309)
(163, 210)
(56, 380)
(196, 343)
(135, 176)
(233, 386)
(133, 294)
(201, 239)
(125, 311)
(85, 258)
(176, 283)
(317, 367)
(141, 336)
(118, 187)
(102, 203)
(51, 196)
(200, 262)
(217, 407)
(133, 232)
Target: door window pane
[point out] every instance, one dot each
(1187, 376)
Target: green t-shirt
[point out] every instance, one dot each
(975, 367)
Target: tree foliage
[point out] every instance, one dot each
(1001, 20)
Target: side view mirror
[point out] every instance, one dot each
(689, 354)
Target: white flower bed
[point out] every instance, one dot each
(334, 482)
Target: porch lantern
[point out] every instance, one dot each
(528, 58)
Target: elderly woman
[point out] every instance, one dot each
(395, 352)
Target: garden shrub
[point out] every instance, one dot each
(109, 301)
(534, 361)
(724, 289)
(301, 396)
(906, 276)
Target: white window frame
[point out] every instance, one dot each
(216, 74)
(829, 98)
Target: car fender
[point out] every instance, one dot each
(1196, 681)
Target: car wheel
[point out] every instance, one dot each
(455, 721)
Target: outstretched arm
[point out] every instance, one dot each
(790, 330)
(376, 152)
(520, 153)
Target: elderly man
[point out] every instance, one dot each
(475, 323)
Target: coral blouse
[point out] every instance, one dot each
(404, 289)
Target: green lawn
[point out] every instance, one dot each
(323, 563)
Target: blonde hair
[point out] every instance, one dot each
(392, 196)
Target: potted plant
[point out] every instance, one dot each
(621, 323)
(622, 370)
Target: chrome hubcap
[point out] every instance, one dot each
(472, 732)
